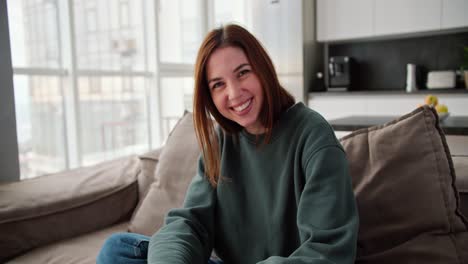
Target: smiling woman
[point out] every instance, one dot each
(272, 184)
(270, 99)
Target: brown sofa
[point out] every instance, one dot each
(411, 205)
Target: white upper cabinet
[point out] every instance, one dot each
(454, 13)
(343, 19)
(406, 16)
(351, 19)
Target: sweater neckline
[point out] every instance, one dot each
(285, 118)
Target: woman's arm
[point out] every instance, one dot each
(327, 217)
(187, 236)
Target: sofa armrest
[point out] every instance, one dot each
(45, 209)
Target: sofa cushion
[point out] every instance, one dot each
(50, 208)
(404, 182)
(175, 170)
(78, 250)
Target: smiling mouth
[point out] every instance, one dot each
(243, 106)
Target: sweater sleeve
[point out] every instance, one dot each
(187, 236)
(327, 217)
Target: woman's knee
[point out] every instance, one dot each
(124, 248)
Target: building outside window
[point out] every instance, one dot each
(112, 78)
(39, 83)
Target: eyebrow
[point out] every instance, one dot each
(235, 70)
(240, 66)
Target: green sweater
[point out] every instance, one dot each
(289, 201)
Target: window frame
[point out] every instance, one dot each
(68, 71)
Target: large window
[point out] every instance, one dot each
(95, 80)
(226, 11)
(112, 78)
(40, 124)
(176, 94)
(39, 86)
(180, 30)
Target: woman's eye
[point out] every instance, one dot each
(243, 72)
(216, 85)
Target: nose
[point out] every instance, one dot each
(233, 89)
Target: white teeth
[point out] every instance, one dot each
(243, 106)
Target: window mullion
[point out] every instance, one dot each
(39, 71)
(153, 90)
(118, 73)
(71, 97)
(176, 67)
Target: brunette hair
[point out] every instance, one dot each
(277, 99)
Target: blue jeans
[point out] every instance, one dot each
(128, 248)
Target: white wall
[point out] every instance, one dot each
(279, 26)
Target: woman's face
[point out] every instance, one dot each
(235, 89)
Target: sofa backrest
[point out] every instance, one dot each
(404, 181)
(42, 210)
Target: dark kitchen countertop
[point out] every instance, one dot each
(452, 125)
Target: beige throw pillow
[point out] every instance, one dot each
(404, 182)
(176, 168)
(147, 175)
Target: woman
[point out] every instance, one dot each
(272, 184)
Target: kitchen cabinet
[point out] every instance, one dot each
(454, 13)
(405, 16)
(342, 19)
(345, 20)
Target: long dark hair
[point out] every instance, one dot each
(277, 99)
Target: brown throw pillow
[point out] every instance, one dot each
(176, 168)
(404, 182)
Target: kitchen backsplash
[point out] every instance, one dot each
(381, 64)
